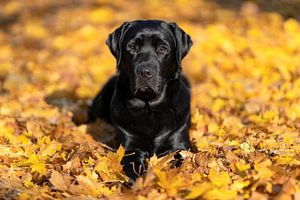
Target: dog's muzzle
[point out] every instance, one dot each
(146, 82)
(145, 93)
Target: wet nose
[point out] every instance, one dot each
(145, 73)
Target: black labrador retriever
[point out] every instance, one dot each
(148, 101)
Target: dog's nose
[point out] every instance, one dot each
(145, 73)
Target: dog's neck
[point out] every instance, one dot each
(170, 89)
(136, 103)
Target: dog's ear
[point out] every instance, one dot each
(115, 40)
(183, 42)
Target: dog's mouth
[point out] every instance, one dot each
(145, 93)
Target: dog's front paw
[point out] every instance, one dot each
(133, 166)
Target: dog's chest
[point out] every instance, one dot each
(147, 122)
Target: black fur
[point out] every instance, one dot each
(148, 101)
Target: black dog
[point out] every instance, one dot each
(148, 101)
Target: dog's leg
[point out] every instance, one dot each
(134, 163)
(100, 107)
(136, 151)
(176, 140)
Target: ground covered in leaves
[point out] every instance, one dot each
(245, 73)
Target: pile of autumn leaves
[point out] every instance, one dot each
(244, 69)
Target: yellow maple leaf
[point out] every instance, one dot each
(219, 178)
(120, 153)
(223, 193)
(263, 169)
(198, 190)
(39, 167)
(242, 166)
(239, 184)
(24, 196)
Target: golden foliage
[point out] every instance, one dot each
(245, 73)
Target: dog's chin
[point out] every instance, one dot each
(146, 93)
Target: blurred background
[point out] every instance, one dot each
(56, 49)
(245, 55)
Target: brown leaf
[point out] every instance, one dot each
(74, 163)
(287, 191)
(60, 181)
(85, 186)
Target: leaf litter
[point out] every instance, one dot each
(244, 69)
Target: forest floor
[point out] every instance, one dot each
(244, 69)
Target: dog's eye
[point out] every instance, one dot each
(162, 49)
(132, 47)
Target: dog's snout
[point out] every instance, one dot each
(145, 73)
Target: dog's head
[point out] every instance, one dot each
(149, 53)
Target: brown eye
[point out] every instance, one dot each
(162, 49)
(132, 47)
